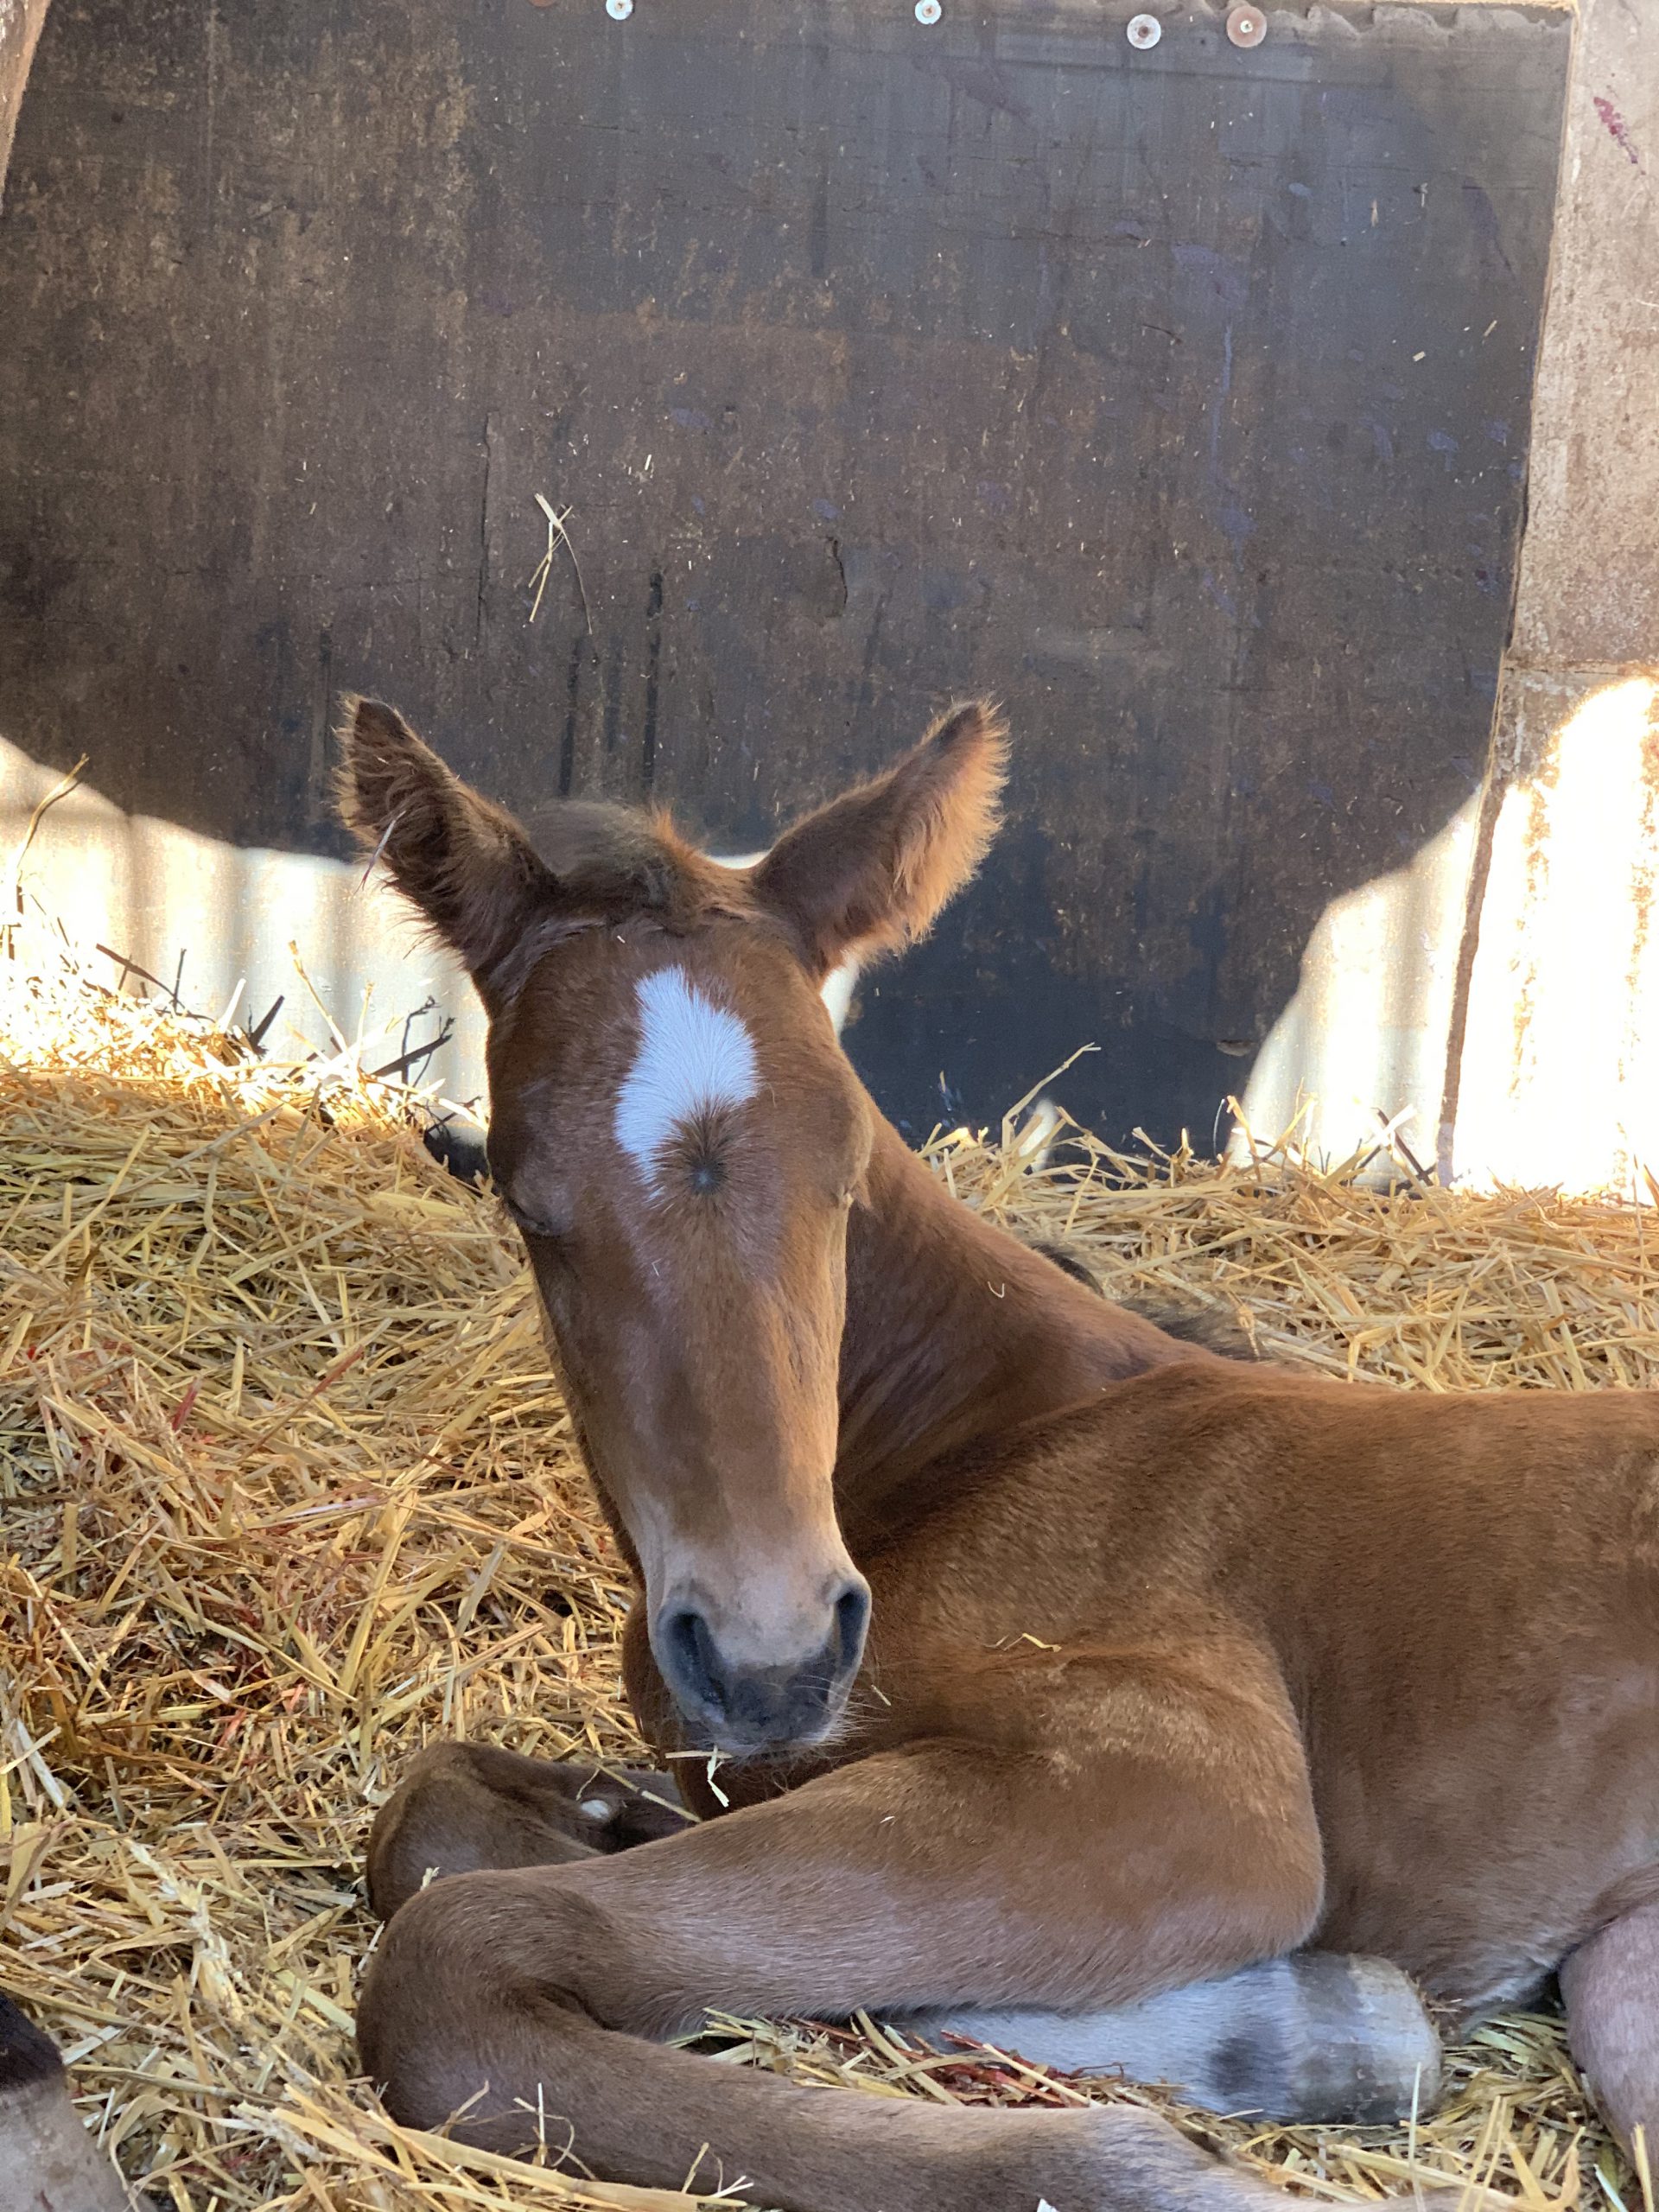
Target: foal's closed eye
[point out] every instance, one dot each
(530, 1223)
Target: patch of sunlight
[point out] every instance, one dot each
(1362, 1046)
(229, 928)
(1559, 1075)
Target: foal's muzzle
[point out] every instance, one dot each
(746, 1704)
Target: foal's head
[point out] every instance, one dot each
(680, 1140)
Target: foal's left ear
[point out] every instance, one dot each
(870, 871)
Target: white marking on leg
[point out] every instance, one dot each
(694, 1057)
(46, 2157)
(1348, 2039)
(1171, 2037)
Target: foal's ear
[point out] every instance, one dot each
(870, 871)
(462, 861)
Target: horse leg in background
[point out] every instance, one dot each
(463, 1807)
(1311, 2039)
(1611, 1988)
(49, 2163)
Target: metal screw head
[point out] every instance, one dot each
(1144, 31)
(618, 10)
(1247, 26)
(928, 11)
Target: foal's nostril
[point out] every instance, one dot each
(746, 1700)
(689, 1650)
(852, 1619)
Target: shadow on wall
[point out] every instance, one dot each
(216, 924)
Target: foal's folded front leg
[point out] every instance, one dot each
(930, 1877)
(463, 1807)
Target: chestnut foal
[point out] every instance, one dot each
(1082, 1690)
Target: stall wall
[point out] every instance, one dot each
(1179, 397)
(1554, 1064)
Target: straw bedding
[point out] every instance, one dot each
(287, 1490)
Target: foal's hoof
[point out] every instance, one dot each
(49, 2163)
(464, 1807)
(1321, 2038)
(1369, 2054)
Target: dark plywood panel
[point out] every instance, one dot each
(1181, 398)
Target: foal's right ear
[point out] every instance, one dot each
(870, 871)
(462, 861)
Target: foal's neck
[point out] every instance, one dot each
(955, 1331)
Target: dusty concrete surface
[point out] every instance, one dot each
(1589, 586)
(1553, 1069)
(1558, 1078)
(292, 945)
(1363, 1044)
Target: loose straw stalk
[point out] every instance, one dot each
(289, 1491)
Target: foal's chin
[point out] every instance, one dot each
(735, 1744)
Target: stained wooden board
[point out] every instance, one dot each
(1178, 397)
